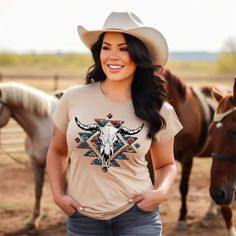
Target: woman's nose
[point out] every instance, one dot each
(113, 54)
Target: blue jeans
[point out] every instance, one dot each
(134, 222)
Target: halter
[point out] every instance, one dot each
(220, 116)
(221, 156)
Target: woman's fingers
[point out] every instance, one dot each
(69, 205)
(76, 205)
(136, 199)
(72, 213)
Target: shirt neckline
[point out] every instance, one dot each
(98, 85)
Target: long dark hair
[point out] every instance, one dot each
(148, 90)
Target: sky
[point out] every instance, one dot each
(51, 25)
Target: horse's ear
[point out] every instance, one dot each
(215, 93)
(58, 93)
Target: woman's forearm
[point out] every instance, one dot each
(165, 177)
(56, 170)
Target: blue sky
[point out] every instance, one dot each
(50, 25)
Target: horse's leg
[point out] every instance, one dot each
(227, 214)
(39, 171)
(212, 211)
(186, 162)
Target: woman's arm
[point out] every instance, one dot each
(165, 173)
(163, 165)
(56, 166)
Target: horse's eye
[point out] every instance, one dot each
(233, 133)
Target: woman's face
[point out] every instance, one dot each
(115, 60)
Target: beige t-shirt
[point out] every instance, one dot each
(107, 144)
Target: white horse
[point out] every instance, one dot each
(32, 109)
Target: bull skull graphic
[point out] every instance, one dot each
(108, 137)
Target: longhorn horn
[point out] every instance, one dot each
(86, 127)
(125, 130)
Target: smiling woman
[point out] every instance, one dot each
(107, 126)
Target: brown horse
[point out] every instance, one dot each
(223, 169)
(195, 109)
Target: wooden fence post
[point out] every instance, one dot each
(56, 78)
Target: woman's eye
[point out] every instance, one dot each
(105, 48)
(124, 49)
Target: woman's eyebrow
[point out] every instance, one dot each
(120, 44)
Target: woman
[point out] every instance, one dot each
(106, 127)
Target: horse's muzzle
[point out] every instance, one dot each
(222, 195)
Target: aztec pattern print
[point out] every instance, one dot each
(107, 141)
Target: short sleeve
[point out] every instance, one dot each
(60, 116)
(173, 125)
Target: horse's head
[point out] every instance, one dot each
(223, 133)
(5, 112)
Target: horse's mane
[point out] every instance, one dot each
(175, 82)
(26, 97)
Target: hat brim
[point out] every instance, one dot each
(152, 39)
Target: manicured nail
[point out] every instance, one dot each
(130, 200)
(81, 208)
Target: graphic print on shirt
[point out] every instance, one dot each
(109, 146)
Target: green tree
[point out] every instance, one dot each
(226, 62)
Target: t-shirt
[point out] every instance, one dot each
(107, 144)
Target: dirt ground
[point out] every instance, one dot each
(16, 203)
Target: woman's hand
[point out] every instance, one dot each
(68, 204)
(149, 201)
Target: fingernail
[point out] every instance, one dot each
(130, 200)
(81, 208)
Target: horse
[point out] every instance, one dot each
(195, 109)
(32, 109)
(223, 169)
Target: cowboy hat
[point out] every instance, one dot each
(129, 23)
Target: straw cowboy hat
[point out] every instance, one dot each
(129, 23)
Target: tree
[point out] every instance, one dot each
(226, 62)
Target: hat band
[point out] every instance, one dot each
(113, 29)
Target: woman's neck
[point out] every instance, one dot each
(117, 91)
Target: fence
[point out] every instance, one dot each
(67, 80)
(37, 80)
(11, 139)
